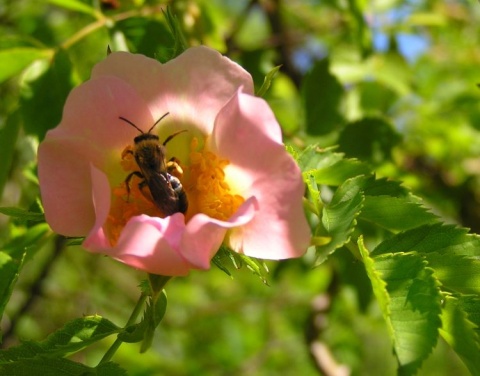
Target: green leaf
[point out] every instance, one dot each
(48, 367)
(59, 367)
(379, 286)
(138, 33)
(471, 305)
(153, 316)
(13, 257)
(75, 241)
(315, 199)
(43, 97)
(22, 214)
(9, 271)
(322, 94)
(339, 217)
(395, 213)
(73, 337)
(257, 268)
(77, 6)
(443, 239)
(410, 301)
(110, 369)
(337, 173)
(180, 42)
(375, 97)
(384, 187)
(14, 60)
(237, 260)
(370, 139)
(328, 167)
(460, 333)
(219, 258)
(457, 273)
(268, 81)
(8, 140)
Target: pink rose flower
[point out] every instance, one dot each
(243, 188)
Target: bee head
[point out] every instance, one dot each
(144, 136)
(148, 136)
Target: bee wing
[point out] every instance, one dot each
(162, 192)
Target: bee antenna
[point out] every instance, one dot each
(172, 136)
(129, 122)
(158, 121)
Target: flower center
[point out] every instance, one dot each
(203, 182)
(206, 187)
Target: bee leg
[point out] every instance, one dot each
(173, 167)
(127, 150)
(179, 192)
(129, 177)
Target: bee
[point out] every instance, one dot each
(166, 190)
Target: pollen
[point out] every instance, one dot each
(206, 187)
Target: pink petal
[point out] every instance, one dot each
(101, 197)
(93, 109)
(248, 121)
(151, 244)
(65, 185)
(193, 87)
(204, 235)
(90, 133)
(279, 229)
(146, 243)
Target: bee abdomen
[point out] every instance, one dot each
(177, 187)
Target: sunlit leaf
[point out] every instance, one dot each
(339, 217)
(395, 213)
(410, 301)
(315, 199)
(328, 167)
(77, 6)
(455, 272)
(444, 239)
(15, 60)
(460, 333)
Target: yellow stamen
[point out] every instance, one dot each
(206, 188)
(204, 183)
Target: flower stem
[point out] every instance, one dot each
(157, 283)
(133, 317)
(102, 20)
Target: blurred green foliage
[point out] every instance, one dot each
(392, 83)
